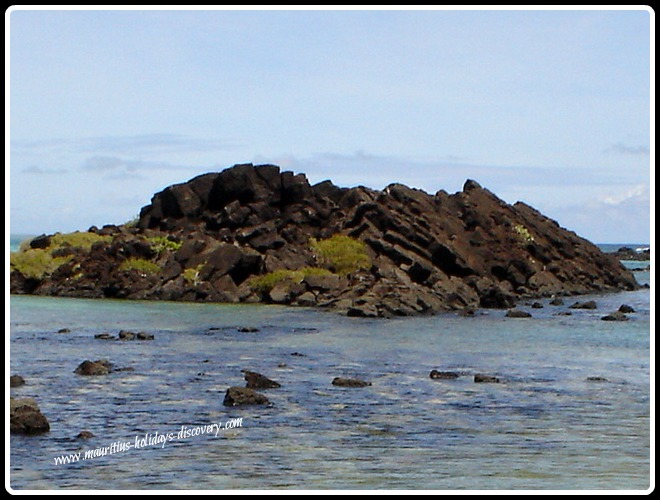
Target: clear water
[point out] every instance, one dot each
(544, 427)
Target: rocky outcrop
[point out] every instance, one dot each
(627, 253)
(26, 417)
(439, 375)
(16, 381)
(206, 239)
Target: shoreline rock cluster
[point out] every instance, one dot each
(253, 234)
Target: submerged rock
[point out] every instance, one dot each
(481, 378)
(591, 304)
(556, 302)
(349, 382)
(615, 316)
(435, 374)
(626, 309)
(26, 417)
(85, 435)
(126, 335)
(258, 381)
(517, 313)
(237, 396)
(16, 381)
(105, 336)
(145, 336)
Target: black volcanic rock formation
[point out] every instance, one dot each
(428, 253)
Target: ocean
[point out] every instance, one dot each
(546, 426)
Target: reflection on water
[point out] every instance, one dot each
(544, 427)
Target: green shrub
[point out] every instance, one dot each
(523, 233)
(160, 244)
(35, 263)
(191, 274)
(141, 265)
(265, 283)
(341, 254)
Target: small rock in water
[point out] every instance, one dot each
(25, 417)
(99, 367)
(145, 336)
(537, 305)
(16, 381)
(237, 396)
(248, 329)
(591, 304)
(85, 435)
(105, 336)
(299, 354)
(435, 374)
(63, 330)
(481, 378)
(349, 382)
(126, 335)
(626, 309)
(258, 381)
(517, 313)
(596, 379)
(556, 302)
(615, 316)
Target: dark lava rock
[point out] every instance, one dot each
(591, 304)
(481, 378)
(435, 374)
(537, 305)
(258, 381)
(237, 396)
(145, 336)
(16, 381)
(299, 354)
(248, 329)
(64, 330)
(556, 302)
(26, 417)
(517, 313)
(349, 382)
(427, 253)
(468, 312)
(99, 367)
(105, 336)
(615, 316)
(41, 242)
(626, 309)
(85, 435)
(126, 335)
(564, 313)
(596, 379)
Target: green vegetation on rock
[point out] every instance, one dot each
(341, 254)
(160, 244)
(191, 275)
(38, 263)
(523, 233)
(143, 266)
(35, 263)
(265, 283)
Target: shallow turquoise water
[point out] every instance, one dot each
(544, 427)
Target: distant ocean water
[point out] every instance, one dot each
(544, 427)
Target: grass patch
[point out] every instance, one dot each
(35, 263)
(77, 239)
(143, 266)
(341, 254)
(265, 283)
(161, 244)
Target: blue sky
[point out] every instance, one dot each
(548, 107)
